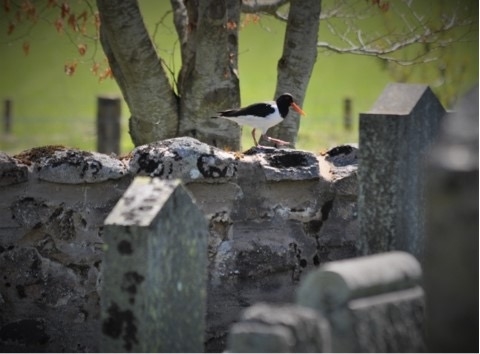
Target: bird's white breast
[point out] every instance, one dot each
(259, 123)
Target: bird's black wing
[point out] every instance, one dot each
(256, 109)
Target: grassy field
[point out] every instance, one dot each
(53, 108)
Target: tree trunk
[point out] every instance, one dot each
(296, 64)
(138, 71)
(208, 81)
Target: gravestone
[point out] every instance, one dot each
(154, 271)
(279, 328)
(394, 136)
(372, 303)
(451, 257)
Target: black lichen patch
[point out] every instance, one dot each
(29, 332)
(326, 208)
(313, 226)
(286, 160)
(210, 166)
(93, 166)
(257, 150)
(300, 262)
(21, 291)
(71, 157)
(125, 247)
(149, 164)
(342, 149)
(130, 282)
(119, 322)
(342, 155)
(155, 164)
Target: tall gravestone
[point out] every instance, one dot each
(451, 255)
(154, 271)
(394, 136)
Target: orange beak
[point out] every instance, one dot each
(297, 108)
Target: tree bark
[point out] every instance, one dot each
(296, 64)
(138, 71)
(208, 81)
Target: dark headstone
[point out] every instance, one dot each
(394, 136)
(451, 257)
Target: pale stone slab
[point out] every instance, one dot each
(154, 275)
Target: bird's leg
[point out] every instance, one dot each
(278, 141)
(254, 139)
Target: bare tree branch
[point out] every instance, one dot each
(256, 6)
(431, 34)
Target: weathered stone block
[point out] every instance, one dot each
(384, 286)
(10, 171)
(285, 164)
(394, 136)
(184, 158)
(285, 328)
(63, 165)
(154, 271)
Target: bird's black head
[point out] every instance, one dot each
(285, 98)
(283, 103)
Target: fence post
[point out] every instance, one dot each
(394, 136)
(154, 271)
(7, 115)
(347, 114)
(108, 124)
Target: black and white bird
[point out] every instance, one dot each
(263, 115)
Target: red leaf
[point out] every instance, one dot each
(59, 25)
(97, 21)
(70, 68)
(94, 68)
(82, 49)
(7, 6)
(231, 25)
(72, 22)
(65, 9)
(11, 27)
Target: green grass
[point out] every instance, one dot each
(53, 108)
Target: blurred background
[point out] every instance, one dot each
(53, 76)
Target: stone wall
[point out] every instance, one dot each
(272, 215)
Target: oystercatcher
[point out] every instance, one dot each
(263, 115)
